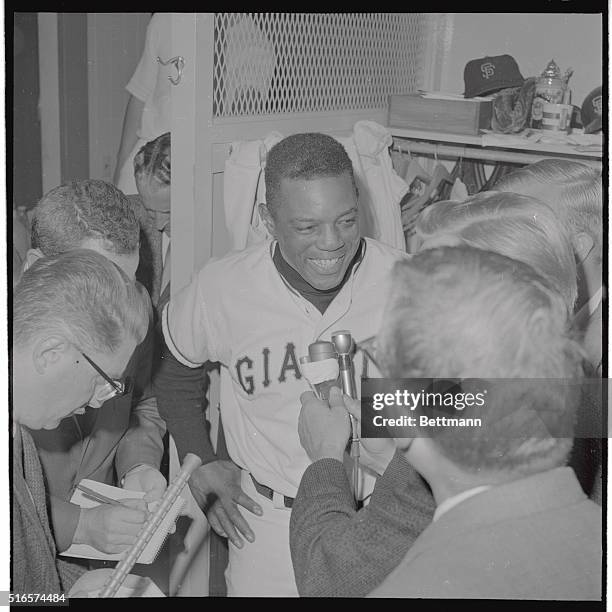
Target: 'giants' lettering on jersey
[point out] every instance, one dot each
(244, 368)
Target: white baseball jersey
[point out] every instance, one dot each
(239, 311)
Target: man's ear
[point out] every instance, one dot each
(267, 218)
(48, 352)
(537, 325)
(583, 245)
(31, 256)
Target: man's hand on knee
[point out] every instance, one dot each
(216, 488)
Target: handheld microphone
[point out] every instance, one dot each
(320, 368)
(344, 345)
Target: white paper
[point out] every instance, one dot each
(150, 552)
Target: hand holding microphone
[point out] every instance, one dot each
(324, 426)
(328, 362)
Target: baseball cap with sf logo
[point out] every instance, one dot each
(592, 110)
(487, 75)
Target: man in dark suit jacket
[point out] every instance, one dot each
(511, 519)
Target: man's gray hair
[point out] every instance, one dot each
(82, 296)
(514, 225)
(460, 312)
(69, 214)
(572, 189)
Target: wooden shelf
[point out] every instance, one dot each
(494, 142)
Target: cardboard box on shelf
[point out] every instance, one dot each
(455, 115)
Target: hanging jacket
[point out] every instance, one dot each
(385, 188)
(244, 189)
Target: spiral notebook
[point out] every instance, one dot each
(152, 549)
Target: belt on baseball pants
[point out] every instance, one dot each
(269, 493)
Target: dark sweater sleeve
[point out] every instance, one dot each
(181, 401)
(338, 551)
(143, 441)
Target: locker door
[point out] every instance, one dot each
(191, 212)
(192, 40)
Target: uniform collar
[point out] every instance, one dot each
(320, 298)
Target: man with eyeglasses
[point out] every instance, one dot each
(77, 319)
(120, 444)
(112, 387)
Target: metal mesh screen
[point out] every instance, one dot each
(314, 62)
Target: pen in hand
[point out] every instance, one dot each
(103, 499)
(111, 524)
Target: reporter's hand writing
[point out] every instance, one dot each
(216, 488)
(111, 529)
(324, 428)
(147, 479)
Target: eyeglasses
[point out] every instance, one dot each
(112, 388)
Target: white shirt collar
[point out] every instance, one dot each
(451, 502)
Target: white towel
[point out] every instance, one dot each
(385, 187)
(243, 186)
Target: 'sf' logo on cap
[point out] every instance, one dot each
(487, 69)
(597, 104)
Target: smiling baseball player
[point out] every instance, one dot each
(256, 311)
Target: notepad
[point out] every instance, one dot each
(151, 550)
